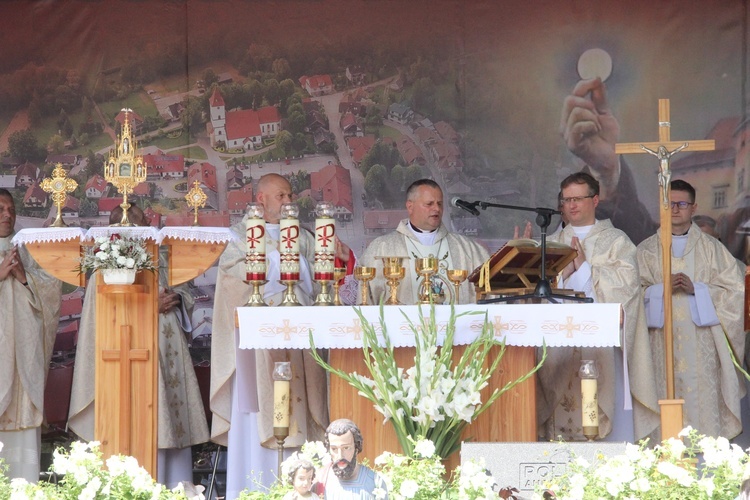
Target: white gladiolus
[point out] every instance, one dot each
(425, 448)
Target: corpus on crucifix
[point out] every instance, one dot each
(664, 149)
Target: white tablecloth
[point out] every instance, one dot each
(588, 325)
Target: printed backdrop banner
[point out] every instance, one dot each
(354, 100)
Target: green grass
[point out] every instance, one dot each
(384, 131)
(144, 107)
(191, 152)
(48, 127)
(165, 143)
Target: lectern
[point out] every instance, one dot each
(127, 326)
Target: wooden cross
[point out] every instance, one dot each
(664, 149)
(125, 355)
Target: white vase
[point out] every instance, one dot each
(118, 276)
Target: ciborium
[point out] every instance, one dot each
(364, 275)
(393, 272)
(426, 267)
(456, 277)
(339, 273)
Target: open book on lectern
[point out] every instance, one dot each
(517, 265)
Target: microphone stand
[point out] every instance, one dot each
(543, 289)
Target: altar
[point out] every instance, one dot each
(523, 328)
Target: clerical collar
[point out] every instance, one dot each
(417, 230)
(426, 238)
(683, 234)
(582, 231)
(679, 244)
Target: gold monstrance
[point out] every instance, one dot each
(196, 199)
(123, 169)
(59, 185)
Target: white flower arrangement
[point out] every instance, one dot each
(83, 476)
(116, 252)
(421, 477)
(667, 471)
(436, 398)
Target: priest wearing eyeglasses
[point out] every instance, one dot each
(606, 270)
(708, 293)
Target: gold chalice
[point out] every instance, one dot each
(426, 267)
(393, 272)
(457, 276)
(364, 274)
(338, 274)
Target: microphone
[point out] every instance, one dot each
(465, 205)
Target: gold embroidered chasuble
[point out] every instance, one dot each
(705, 376)
(614, 279)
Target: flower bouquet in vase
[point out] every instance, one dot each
(118, 258)
(440, 395)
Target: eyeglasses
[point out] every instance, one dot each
(682, 205)
(575, 199)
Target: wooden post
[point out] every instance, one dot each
(671, 408)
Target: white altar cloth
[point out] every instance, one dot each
(186, 233)
(587, 325)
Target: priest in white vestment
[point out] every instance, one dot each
(28, 325)
(708, 291)
(181, 416)
(422, 235)
(606, 270)
(241, 383)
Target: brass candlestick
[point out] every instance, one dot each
(457, 276)
(324, 297)
(393, 272)
(364, 275)
(289, 298)
(426, 267)
(196, 198)
(59, 185)
(256, 298)
(338, 274)
(123, 169)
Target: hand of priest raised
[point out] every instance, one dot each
(526, 231)
(342, 250)
(581, 255)
(590, 131)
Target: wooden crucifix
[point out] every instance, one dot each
(671, 408)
